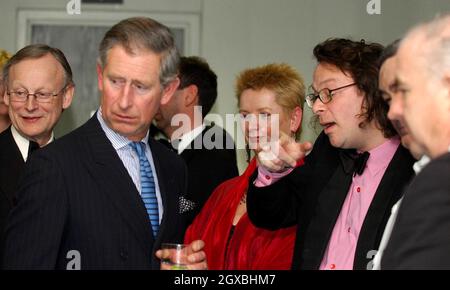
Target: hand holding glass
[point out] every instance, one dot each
(174, 256)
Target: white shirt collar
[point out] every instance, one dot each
(23, 143)
(187, 138)
(421, 163)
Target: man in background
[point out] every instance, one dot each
(420, 237)
(391, 95)
(38, 87)
(182, 121)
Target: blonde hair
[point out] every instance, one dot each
(4, 57)
(282, 79)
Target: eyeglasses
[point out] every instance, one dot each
(325, 95)
(41, 97)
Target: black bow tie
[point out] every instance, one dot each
(353, 162)
(33, 146)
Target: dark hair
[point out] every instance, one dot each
(35, 51)
(389, 51)
(360, 60)
(143, 33)
(194, 70)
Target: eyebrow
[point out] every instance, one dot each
(259, 109)
(21, 86)
(398, 82)
(394, 85)
(323, 82)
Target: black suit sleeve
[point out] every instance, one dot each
(273, 206)
(29, 244)
(421, 235)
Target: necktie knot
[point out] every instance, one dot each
(353, 162)
(139, 148)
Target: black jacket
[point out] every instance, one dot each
(420, 238)
(11, 168)
(208, 167)
(77, 195)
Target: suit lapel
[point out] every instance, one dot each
(12, 164)
(165, 181)
(389, 191)
(114, 181)
(329, 205)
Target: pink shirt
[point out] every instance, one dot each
(340, 251)
(341, 248)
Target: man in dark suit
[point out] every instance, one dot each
(39, 87)
(420, 237)
(208, 150)
(341, 197)
(106, 196)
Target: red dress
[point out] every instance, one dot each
(250, 248)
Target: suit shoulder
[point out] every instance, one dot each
(5, 137)
(436, 172)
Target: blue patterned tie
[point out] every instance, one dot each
(148, 192)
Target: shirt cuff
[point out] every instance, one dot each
(265, 177)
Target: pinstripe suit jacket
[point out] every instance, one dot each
(77, 195)
(11, 168)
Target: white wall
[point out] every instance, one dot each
(237, 34)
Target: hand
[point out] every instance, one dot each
(196, 257)
(284, 153)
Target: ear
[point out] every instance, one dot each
(191, 98)
(68, 96)
(99, 77)
(5, 97)
(296, 119)
(446, 98)
(169, 90)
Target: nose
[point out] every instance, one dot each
(251, 123)
(31, 103)
(126, 96)
(395, 109)
(318, 107)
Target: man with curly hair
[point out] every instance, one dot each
(341, 198)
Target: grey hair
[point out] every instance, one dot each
(436, 55)
(34, 51)
(138, 33)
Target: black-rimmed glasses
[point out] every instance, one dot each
(325, 95)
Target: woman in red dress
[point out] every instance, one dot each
(270, 100)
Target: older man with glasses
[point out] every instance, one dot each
(341, 198)
(38, 87)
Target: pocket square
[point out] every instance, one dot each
(186, 205)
